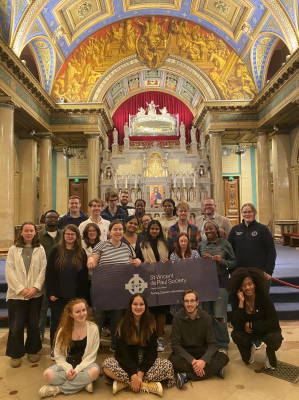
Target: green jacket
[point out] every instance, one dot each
(47, 241)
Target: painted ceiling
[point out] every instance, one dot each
(249, 29)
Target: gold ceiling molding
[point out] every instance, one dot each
(132, 5)
(173, 64)
(78, 13)
(285, 23)
(229, 18)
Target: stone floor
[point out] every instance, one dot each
(241, 381)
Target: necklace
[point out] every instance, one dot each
(251, 306)
(79, 336)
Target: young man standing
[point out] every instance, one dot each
(113, 212)
(183, 225)
(124, 200)
(210, 213)
(195, 354)
(95, 207)
(74, 216)
(49, 236)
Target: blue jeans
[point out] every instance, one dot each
(115, 317)
(218, 309)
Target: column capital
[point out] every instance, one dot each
(262, 131)
(7, 103)
(92, 135)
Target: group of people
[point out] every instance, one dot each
(53, 269)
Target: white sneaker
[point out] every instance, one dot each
(253, 349)
(48, 390)
(89, 387)
(160, 344)
(267, 364)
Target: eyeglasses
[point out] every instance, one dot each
(190, 301)
(208, 205)
(70, 234)
(52, 217)
(247, 212)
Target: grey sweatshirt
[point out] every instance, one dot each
(193, 332)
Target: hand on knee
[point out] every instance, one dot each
(94, 372)
(219, 319)
(48, 375)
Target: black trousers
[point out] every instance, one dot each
(243, 340)
(21, 314)
(56, 308)
(219, 360)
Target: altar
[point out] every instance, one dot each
(153, 124)
(157, 170)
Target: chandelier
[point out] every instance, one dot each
(68, 152)
(239, 149)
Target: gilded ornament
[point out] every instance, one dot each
(222, 7)
(84, 9)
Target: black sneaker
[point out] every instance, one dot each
(220, 373)
(181, 379)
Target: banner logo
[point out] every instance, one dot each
(136, 285)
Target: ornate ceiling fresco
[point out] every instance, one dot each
(231, 41)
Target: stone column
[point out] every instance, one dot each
(282, 191)
(45, 174)
(216, 171)
(295, 191)
(6, 176)
(93, 166)
(265, 211)
(27, 180)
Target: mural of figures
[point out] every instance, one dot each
(156, 198)
(152, 39)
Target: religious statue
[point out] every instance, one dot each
(182, 130)
(151, 108)
(102, 175)
(119, 193)
(178, 194)
(164, 111)
(126, 131)
(115, 136)
(141, 112)
(108, 173)
(208, 146)
(133, 194)
(172, 193)
(139, 193)
(184, 194)
(106, 143)
(193, 135)
(202, 141)
(191, 194)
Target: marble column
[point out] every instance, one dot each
(282, 191)
(93, 166)
(27, 180)
(6, 176)
(295, 191)
(45, 174)
(216, 171)
(265, 212)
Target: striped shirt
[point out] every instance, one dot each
(110, 254)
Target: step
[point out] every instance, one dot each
(283, 294)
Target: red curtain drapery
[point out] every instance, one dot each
(131, 105)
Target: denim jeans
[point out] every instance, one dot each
(218, 309)
(76, 384)
(43, 314)
(115, 317)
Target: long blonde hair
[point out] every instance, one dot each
(62, 256)
(66, 324)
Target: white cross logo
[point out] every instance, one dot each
(136, 285)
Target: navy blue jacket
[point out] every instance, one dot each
(120, 214)
(253, 246)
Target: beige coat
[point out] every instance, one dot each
(223, 222)
(16, 276)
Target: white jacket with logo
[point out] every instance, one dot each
(16, 276)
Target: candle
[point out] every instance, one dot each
(115, 183)
(183, 182)
(135, 183)
(126, 183)
(194, 181)
(174, 182)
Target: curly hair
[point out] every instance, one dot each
(66, 325)
(62, 256)
(237, 277)
(20, 240)
(126, 328)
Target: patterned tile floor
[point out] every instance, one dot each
(241, 381)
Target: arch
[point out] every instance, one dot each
(45, 57)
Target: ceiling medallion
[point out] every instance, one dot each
(83, 9)
(221, 7)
